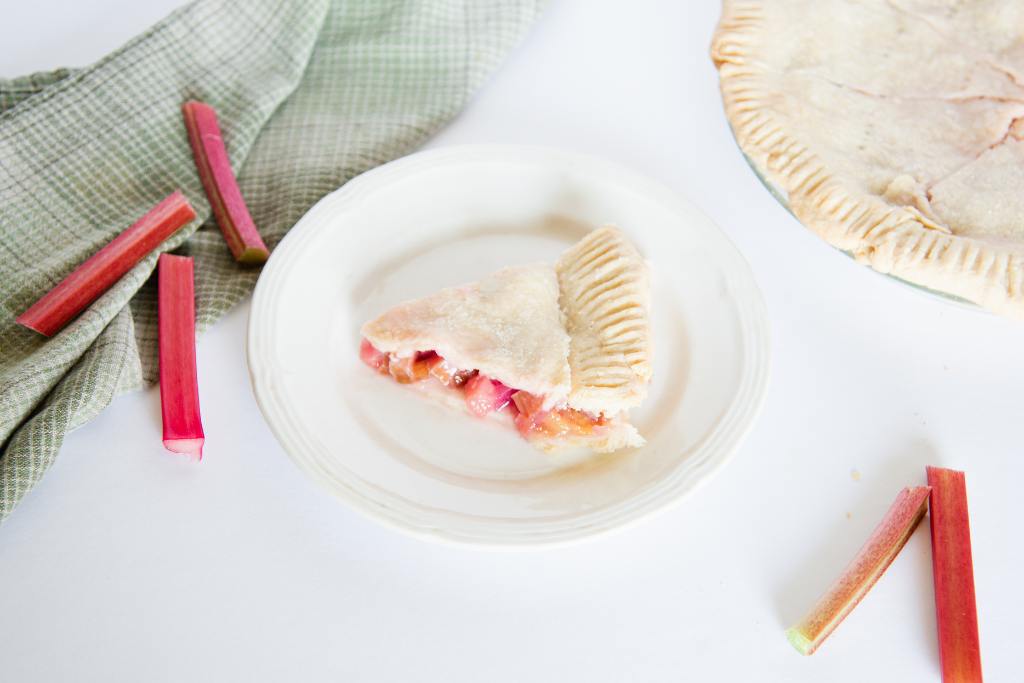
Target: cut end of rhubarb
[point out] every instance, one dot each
(29, 321)
(193, 448)
(872, 560)
(253, 256)
(801, 642)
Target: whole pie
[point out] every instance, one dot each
(561, 352)
(894, 128)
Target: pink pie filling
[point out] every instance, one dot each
(482, 394)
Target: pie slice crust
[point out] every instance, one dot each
(894, 128)
(606, 296)
(508, 325)
(563, 350)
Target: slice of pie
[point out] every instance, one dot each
(894, 129)
(561, 352)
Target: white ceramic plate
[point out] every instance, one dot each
(450, 216)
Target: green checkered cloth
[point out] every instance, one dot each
(309, 92)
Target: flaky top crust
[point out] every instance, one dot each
(894, 129)
(507, 325)
(605, 298)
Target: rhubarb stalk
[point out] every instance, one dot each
(874, 557)
(220, 184)
(956, 614)
(87, 282)
(179, 389)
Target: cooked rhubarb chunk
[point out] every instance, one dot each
(441, 370)
(447, 374)
(533, 420)
(527, 403)
(530, 413)
(461, 377)
(372, 357)
(405, 370)
(484, 395)
(567, 421)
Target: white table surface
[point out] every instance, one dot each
(128, 564)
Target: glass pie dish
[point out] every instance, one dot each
(780, 196)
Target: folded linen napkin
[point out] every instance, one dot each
(309, 92)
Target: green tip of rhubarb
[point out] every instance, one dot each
(798, 640)
(253, 256)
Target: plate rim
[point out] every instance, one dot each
(720, 444)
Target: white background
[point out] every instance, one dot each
(127, 564)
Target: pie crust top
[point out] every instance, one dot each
(605, 297)
(576, 333)
(507, 325)
(895, 128)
